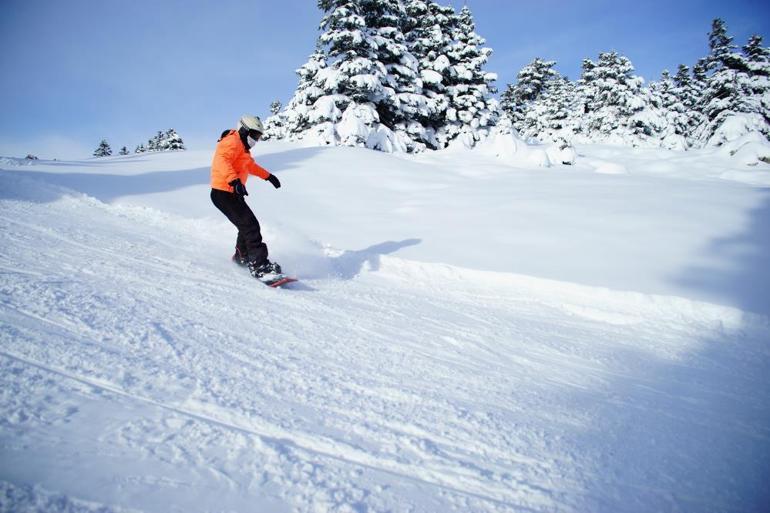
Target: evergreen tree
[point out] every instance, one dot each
(154, 143)
(720, 44)
(404, 107)
(700, 78)
(429, 31)
(472, 111)
(531, 81)
(361, 87)
(509, 103)
(685, 88)
(756, 53)
(357, 89)
(341, 73)
(294, 120)
(172, 141)
(585, 95)
(140, 149)
(275, 124)
(758, 63)
(123, 151)
(728, 102)
(688, 90)
(668, 114)
(394, 75)
(615, 108)
(103, 150)
(550, 117)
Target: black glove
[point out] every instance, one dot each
(274, 180)
(238, 187)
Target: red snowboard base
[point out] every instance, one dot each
(278, 281)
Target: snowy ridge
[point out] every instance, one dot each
(142, 371)
(600, 304)
(15, 162)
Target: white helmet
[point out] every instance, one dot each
(249, 123)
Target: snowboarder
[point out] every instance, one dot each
(230, 169)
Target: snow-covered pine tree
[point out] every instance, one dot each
(366, 86)
(472, 110)
(687, 92)
(429, 31)
(123, 151)
(274, 124)
(171, 141)
(354, 84)
(162, 143)
(509, 104)
(404, 108)
(550, 118)
(531, 81)
(615, 107)
(729, 105)
(699, 79)
(140, 149)
(586, 97)
(669, 116)
(758, 62)
(154, 143)
(720, 44)
(342, 76)
(362, 85)
(294, 120)
(103, 150)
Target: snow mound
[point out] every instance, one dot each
(561, 153)
(15, 162)
(606, 167)
(749, 149)
(506, 145)
(738, 126)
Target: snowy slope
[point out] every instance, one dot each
(468, 336)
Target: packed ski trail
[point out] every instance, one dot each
(141, 370)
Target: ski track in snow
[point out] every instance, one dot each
(141, 372)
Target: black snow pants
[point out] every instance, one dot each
(249, 242)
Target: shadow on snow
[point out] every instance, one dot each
(740, 274)
(107, 187)
(686, 434)
(350, 263)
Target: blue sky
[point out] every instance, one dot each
(75, 71)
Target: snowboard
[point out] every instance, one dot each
(277, 281)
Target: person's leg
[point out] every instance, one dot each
(251, 233)
(238, 212)
(241, 252)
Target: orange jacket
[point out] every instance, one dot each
(231, 161)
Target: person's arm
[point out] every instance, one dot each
(256, 169)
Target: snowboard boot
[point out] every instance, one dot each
(274, 267)
(259, 271)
